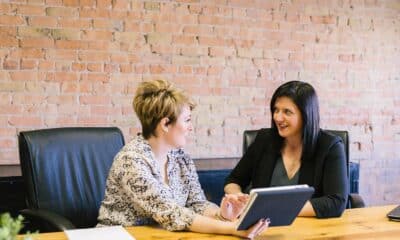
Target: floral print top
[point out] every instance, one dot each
(137, 195)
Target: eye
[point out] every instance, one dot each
(288, 112)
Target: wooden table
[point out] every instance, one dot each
(361, 223)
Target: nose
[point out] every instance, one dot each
(278, 116)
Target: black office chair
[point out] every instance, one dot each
(65, 172)
(355, 200)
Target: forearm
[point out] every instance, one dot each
(307, 210)
(212, 212)
(203, 224)
(232, 188)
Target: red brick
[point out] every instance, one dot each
(31, 10)
(123, 68)
(157, 69)
(102, 45)
(11, 20)
(71, 3)
(186, 69)
(8, 41)
(323, 19)
(168, 28)
(10, 64)
(61, 54)
(69, 87)
(112, 68)
(93, 56)
(7, 132)
(74, 23)
(132, 26)
(94, 100)
(120, 4)
(37, 42)
(23, 75)
(40, 21)
(97, 35)
(11, 109)
(87, 3)
(346, 57)
(194, 51)
(71, 44)
(62, 12)
(28, 64)
(163, 49)
(65, 76)
(94, 13)
(7, 142)
(211, 41)
(94, 67)
(95, 77)
(24, 121)
(5, 8)
(78, 66)
(91, 121)
(119, 58)
(198, 30)
(24, 98)
(184, 40)
(27, 53)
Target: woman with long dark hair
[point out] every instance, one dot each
(296, 151)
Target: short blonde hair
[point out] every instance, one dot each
(157, 99)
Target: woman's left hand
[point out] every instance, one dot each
(232, 205)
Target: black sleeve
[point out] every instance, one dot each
(243, 171)
(334, 183)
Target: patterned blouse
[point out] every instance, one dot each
(137, 195)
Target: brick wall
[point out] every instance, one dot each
(77, 62)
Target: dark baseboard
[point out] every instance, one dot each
(12, 195)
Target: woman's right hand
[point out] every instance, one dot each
(254, 230)
(232, 205)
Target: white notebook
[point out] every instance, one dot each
(100, 233)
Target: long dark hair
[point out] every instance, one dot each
(306, 99)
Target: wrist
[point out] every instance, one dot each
(219, 216)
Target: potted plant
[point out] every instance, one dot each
(10, 227)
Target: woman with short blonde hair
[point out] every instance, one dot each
(152, 180)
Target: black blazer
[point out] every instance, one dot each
(326, 171)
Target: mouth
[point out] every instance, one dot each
(282, 127)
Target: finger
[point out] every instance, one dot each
(263, 227)
(259, 227)
(252, 232)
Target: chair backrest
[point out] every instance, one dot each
(352, 168)
(65, 169)
(212, 182)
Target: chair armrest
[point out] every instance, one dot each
(356, 201)
(45, 221)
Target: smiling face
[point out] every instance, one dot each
(287, 118)
(180, 129)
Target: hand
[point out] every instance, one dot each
(232, 205)
(255, 230)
